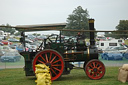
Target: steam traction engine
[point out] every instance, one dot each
(57, 54)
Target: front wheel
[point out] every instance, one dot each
(95, 69)
(53, 59)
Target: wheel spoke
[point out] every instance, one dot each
(57, 65)
(53, 71)
(41, 61)
(90, 69)
(43, 58)
(46, 58)
(99, 70)
(56, 61)
(92, 74)
(93, 64)
(52, 59)
(95, 74)
(57, 69)
(96, 64)
(99, 67)
(90, 66)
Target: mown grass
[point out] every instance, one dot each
(76, 77)
(126, 42)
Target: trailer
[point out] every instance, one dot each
(1, 35)
(59, 52)
(109, 43)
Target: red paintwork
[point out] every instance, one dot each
(54, 59)
(91, 71)
(6, 42)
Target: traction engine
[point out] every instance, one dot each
(58, 53)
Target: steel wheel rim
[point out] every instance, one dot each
(52, 59)
(95, 69)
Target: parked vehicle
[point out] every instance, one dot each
(31, 47)
(1, 44)
(13, 46)
(112, 54)
(28, 40)
(100, 50)
(121, 49)
(10, 57)
(101, 38)
(7, 49)
(20, 48)
(1, 34)
(1, 53)
(31, 37)
(13, 40)
(5, 42)
(42, 37)
(112, 43)
(37, 43)
(126, 54)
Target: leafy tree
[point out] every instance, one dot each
(8, 29)
(35, 34)
(123, 25)
(111, 34)
(18, 33)
(77, 20)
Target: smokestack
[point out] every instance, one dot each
(92, 34)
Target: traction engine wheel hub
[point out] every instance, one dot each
(95, 69)
(48, 64)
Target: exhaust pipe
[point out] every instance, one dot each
(92, 34)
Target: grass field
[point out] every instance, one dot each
(76, 77)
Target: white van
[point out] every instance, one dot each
(112, 43)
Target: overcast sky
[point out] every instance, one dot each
(106, 13)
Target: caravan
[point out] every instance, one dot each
(112, 43)
(1, 35)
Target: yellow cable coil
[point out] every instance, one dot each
(42, 74)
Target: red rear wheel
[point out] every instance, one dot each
(95, 69)
(52, 59)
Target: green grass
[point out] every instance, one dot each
(76, 77)
(126, 42)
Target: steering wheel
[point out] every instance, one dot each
(49, 38)
(52, 40)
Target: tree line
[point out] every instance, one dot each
(9, 30)
(123, 25)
